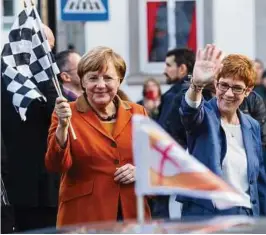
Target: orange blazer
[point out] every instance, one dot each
(88, 192)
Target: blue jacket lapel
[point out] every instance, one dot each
(219, 159)
(248, 143)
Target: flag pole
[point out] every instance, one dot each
(140, 209)
(54, 78)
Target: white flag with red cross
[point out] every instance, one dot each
(164, 167)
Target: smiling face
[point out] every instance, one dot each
(101, 86)
(234, 82)
(229, 99)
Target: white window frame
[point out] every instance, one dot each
(158, 67)
(8, 19)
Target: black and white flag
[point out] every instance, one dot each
(26, 60)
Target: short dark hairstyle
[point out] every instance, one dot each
(183, 56)
(61, 59)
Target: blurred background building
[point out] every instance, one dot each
(143, 30)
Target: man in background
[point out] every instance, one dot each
(260, 86)
(179, 63)
(259, 67)
(67, 62)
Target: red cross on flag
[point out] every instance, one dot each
(164, 167)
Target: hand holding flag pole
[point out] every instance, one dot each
(27, 62)
(54, 77)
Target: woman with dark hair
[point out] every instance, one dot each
(151, 97)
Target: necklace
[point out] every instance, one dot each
(105, 119)
(232, 135)
(231, 129)
(108, 118)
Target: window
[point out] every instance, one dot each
(8, 8)
(165, 25)
(8, 13)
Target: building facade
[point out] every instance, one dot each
(143, 30)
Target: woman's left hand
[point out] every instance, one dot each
(125, 174)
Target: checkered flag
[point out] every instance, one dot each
(26, 60)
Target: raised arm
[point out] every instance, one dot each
(207, 65)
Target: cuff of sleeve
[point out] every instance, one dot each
(58, 148)
(192, 104)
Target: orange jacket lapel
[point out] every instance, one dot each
(90, 117)
(123, 117)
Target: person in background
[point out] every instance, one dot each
(67, 62)
(32, 191)
(71, 46)
(7, 210)
(259, 67)
(100, 160)
(259, 87)
(264, 99)
(151, 97)
(264, 78)
(178, 64)
(263, 93)
(234, 150)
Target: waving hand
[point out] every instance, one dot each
(207, 65)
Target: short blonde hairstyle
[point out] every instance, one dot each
(98, 58)
(239, 67)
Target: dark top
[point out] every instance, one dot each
(261, 90)
(28, 182)
(168, 98)
(153, 114)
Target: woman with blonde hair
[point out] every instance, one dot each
(98, 173)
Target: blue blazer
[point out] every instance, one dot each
(168, 98)
(207, 142)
